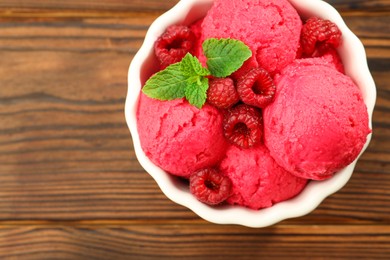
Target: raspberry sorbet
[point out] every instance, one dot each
(318, 122)
(179, 137)
(271, 29)
(258, 181)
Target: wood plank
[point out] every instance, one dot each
(194, 242)
(101, 5)
(153, 5)
(80, 35)
(360, 5)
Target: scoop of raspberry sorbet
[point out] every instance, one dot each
(271, 29)
(179, 137)
(318, 122)
(257, 180)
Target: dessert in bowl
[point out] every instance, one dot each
(298, 179)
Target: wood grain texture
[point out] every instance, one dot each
(195, 242)
(70, 185)
(360, 5)
(153, 5)
(85, 5)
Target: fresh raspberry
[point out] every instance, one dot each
(173, 45)
(243, 126)
(210, 187)
(317, 31)
(256, 88)
(222, 93)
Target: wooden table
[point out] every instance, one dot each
(70, 185)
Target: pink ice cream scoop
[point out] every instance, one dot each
(179, 137)
(271, 29)
(329, 58)
(318, 122)
(258, 181)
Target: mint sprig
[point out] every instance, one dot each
(189, 79)
(186, 78)
(225, 56)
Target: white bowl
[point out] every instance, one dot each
(187, 11)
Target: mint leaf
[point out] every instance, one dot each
(167, 84)
(196, 91)
(225, 56)
(191, 66)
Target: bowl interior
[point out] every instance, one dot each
(142, 67)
